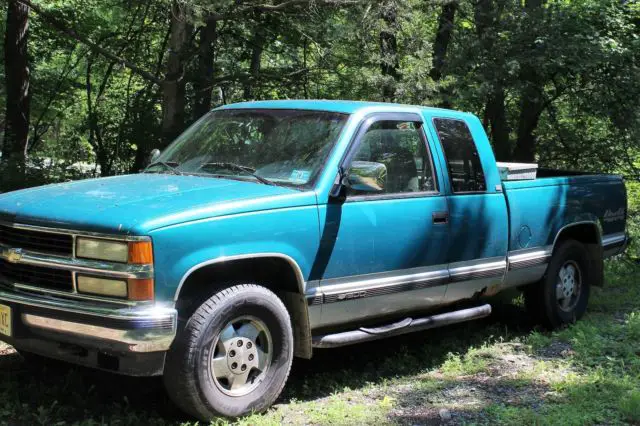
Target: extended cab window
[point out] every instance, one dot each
(399, 149)
(463, 161)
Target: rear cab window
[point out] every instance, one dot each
(461, 154)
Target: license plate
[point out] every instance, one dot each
(5, 320)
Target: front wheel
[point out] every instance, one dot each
(561, 297)
(234, 355)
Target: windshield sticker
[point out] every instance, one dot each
(300, 176)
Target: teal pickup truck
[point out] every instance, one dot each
(271, 228)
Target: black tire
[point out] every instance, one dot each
(189, 377)
(541, 299)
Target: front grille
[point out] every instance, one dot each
(42, 242)
(36, 276)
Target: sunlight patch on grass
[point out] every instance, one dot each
(463, 365)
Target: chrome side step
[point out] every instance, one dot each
(407, 325)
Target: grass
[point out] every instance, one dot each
(501, 370)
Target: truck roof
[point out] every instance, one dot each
(346, 107)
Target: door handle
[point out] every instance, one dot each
(440, 218)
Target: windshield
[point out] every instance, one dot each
(286, 147)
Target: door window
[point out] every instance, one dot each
(463, 161)
(400, 148)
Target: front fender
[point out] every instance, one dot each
(291, 234)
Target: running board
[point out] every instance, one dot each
(407, 325)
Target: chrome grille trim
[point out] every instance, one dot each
(106, 269)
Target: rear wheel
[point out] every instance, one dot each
(234, 355)
(561, 297)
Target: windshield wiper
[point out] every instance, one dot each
(169, 166)
(233, 166)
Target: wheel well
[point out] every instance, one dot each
(586, 233)
(589, 235)
(275, 273)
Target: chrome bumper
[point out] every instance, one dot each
(137, 329)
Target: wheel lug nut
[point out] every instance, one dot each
(244, 367)
(234, 366)
(239, 343)
(249, 345)
(251, 357)
(232, 353)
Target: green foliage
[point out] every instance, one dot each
(575, 62)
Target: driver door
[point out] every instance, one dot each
(386, 249)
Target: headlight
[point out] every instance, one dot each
(114, 251)
(131, 252)
(131, 289)
(136, 252)
(101, 286)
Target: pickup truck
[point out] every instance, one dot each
(272, 228)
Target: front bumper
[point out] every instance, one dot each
(130, 340)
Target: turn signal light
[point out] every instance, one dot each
(140, 289)
(140, 252)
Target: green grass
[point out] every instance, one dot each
(500, 370)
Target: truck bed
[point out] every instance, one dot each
(541, 207)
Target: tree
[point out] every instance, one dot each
(532, 101)
(173, 87)
(18, 110)
(389, 60)
(203, 81)
(443, 38)
(487, 15)
(554, 82)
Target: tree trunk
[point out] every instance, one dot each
(148, 137)
(443, 38)
(499, 128)
(389, 62)
(173, 87)
(532, 98)
(486, 15)
(204, 79)
(531, 108)
(16, 64)
(258, 42)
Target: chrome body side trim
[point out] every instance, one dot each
(370, 286)
(613, 239)
(477, 269)
(527, 266)
(526, 258)
(289, 259)
(614, 244)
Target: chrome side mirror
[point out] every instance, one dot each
(153, 156)
(366, 176)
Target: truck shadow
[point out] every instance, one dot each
(353, 367)
(55, 392)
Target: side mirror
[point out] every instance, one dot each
(153, 156)
(366, 176)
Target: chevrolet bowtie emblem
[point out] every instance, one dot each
(12, 255)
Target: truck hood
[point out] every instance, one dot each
(139, 203)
